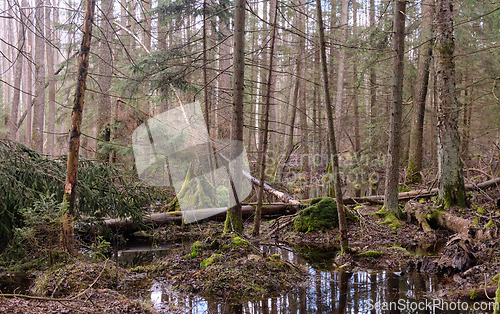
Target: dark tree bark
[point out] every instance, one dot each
(334, 158)
(393, 153)
(75, 130)
(417, 127)
(451, 179)
(234, 221)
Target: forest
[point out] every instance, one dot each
(249, 156)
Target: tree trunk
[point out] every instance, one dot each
(51, 118)
(451, 179)
(105, 76)
(18, 71)
(357, 142)
(234, 221)
(334, 158)
(265, 124)
(28, 80)
(304, 132)
(417, 127)
(75, 130)
(393, 153)
(39, 101)
(339, 104)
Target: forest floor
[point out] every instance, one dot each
(220, 265)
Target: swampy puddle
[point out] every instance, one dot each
(329, 290)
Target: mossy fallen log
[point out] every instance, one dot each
(159, 219)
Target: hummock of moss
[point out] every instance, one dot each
(321, 215)
(77, 276)
(232, 270)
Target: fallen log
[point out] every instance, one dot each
(280, 195)
(423, 192)
(126, 224)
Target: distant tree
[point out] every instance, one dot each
(417, 127)
(39, 101)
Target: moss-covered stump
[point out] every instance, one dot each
(321, 215)
(231, 269)
(72, 278)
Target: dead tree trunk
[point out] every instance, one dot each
(75, 131)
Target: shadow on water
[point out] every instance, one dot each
(329, 290)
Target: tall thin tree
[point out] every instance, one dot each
(234, 221)
(334, 158)
(76, 124)
(39, 101)
(391, 201)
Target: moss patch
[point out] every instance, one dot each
(391, 221)
(321, 215)
(210, 261)
(195, 250)
(372, 254)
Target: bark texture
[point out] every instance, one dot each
(417, 128)
(76, 123)
(451, 179)
(393, 154)
(39, 101)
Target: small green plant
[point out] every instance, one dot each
(372, 254)
(210, 261)
(473, 295)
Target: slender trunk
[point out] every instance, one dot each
(75, 130)
(417, 127)
(106, 72)
(304, 133)
(18, 71)
(393, 154)
(334, 158)
(373, 85)
(39, 102)
(451, 179)
(265, 124)
(339, 103)
(234, 221)
(357, 143)
(51, 118)
(28, 100)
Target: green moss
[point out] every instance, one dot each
(480, 209)
(475, 222)
(497, 300)
(195, 250)
(275, 261)
(496, 278)
(372, 254)
(381, 213)
(210, 261)
(453, 194)
(321, 215)
(401, 249)
(391, 221)
(240, 242)
(473, 295)
(490, 224)
(433, 216)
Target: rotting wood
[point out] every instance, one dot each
(126, 224)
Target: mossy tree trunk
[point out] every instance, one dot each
(417, 127)
(451, 179)
(75, 130)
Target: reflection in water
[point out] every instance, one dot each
(328, 291)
